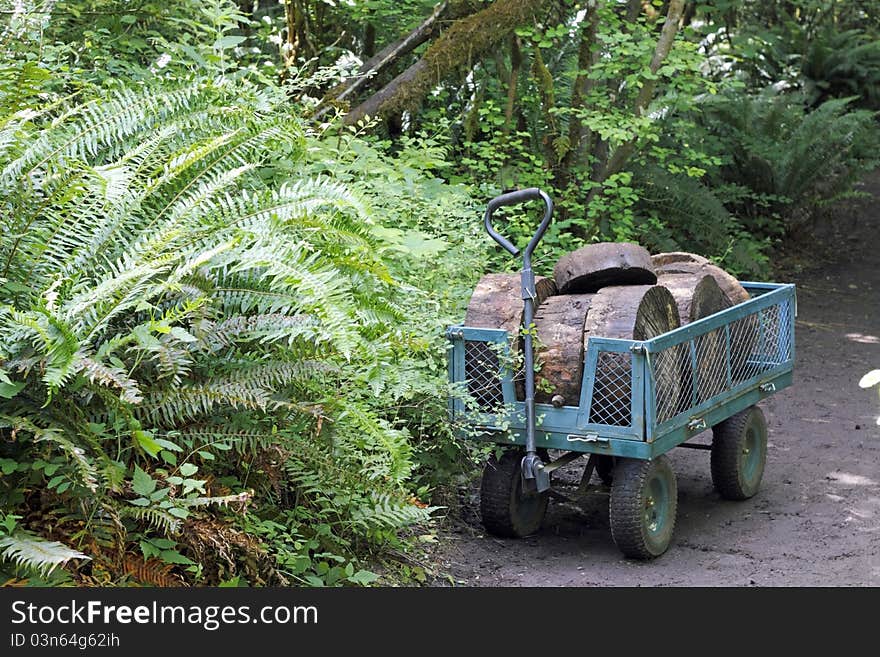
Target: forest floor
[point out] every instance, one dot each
(816, 520)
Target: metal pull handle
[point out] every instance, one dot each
(515, 198)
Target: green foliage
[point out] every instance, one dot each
(780, 161)
(165, 293)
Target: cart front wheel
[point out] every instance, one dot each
(506, 510)
(739, 453)
(644, 500)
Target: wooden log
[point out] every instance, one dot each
(595, 266)
(728, 284)
(696, 295)
(497, 303)
(662, 260)
(699, 296)
(635, 312)
(559, 325)
(744, 333)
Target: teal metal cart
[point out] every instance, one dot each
(631, 412)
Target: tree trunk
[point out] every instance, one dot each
(467, 39)
(512, 81)
(696, 295)
(497, 303)
(728, 284)
(663, 260)
(391, 53)
(578, 133)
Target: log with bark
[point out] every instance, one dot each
(497, 303)
(594, 266)
(663, 260)
(696, 295)
(699, 296)
(559, 326)
(689, 263)
(631, 312)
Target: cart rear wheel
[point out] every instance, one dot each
(644, 500)
(739, 453)
(605, 468)
(505, 509)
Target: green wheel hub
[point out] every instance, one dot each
(739, 454)
(656, 505)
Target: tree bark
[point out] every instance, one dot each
(559, 324)
(578, 133)
(513, 78)
(468, 38)
(390, 54)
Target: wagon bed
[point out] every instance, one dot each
(623, 410)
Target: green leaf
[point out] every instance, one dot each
(167, 444)
(173, 556)
(147, 442)
(177, 512)
(10, 390)
(188, 469)
(229, 41)
(363, 577)
(8, 466)
(142, 483)
(183, 335)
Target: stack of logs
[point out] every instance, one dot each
(611, 290)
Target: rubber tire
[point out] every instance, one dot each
(729, 440)
(501, 503)
(629, 495)
(604, 467)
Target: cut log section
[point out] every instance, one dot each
(744, 333)
(699, 296)
(728, 284)
(497, 303)
(635, 312)
(559, 324)
(595, 266)
(664, 260)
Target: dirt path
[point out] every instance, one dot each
(816, 520)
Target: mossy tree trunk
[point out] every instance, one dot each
(468, 39)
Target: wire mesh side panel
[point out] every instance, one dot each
(674, 380)
(483, 373)
(721, 359)
(612, 390)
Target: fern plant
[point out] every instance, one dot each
(780, 161)
(175, 288)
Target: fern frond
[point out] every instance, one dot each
(110, 376)
(33, 552)
(157, 518)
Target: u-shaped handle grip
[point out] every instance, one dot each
(515, 198)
